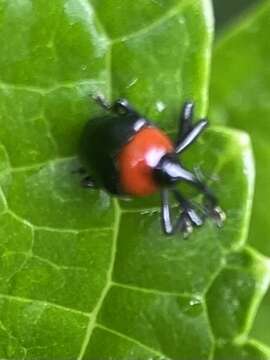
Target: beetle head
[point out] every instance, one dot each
(169, 171)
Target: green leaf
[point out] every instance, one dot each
(249, 350)
(239, 98)
(82, 275)
(239, 288)
(128, 283)
(262, 321)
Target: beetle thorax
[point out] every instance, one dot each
(138, 159)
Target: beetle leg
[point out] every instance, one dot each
(168, 227)
(87, 182)
(100, 100)
(185, 121)
(188, 132)
(188, 209)
(187, 219)
(191, 136)
(122, 106)
(211, 207)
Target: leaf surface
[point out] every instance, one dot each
(240, 94)
(82, 275)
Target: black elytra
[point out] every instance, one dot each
(125, 154)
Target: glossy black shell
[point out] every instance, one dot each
(101, 141)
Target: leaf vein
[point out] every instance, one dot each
(168, 15)
(44, 303)
(92, 321)
(154, 291)
(134, 341)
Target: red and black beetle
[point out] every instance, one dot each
(125, 154)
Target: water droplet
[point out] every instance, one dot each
(160, 106)
(194, 301)
(191, 306)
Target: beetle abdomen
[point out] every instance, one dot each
(101, 141)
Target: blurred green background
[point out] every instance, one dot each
(227, 10)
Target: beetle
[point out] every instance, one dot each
(125, 154)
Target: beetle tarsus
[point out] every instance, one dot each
(185, 226)
(211, 208)
(216, 214)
